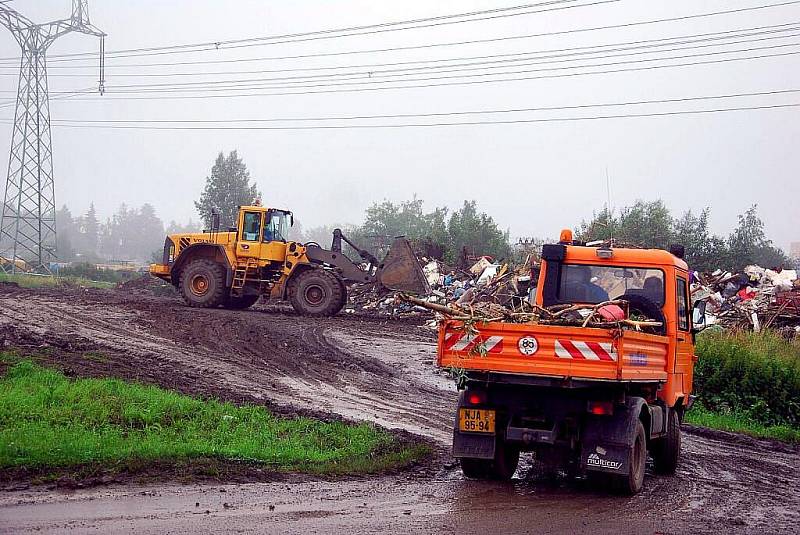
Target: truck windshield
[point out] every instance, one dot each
(595, 284)
(277, 228)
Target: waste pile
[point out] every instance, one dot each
(492, 291)
(485, 282)
(755, 299)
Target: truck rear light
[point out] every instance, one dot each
(600, 408)
(476, 398)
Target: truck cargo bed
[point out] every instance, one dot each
(555, 351)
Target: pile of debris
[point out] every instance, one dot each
(755, 299)
(485, 282)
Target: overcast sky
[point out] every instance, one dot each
(533, 178)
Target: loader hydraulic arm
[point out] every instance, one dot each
(399, 271)
(336, 247)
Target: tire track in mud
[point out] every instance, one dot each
(369, 369)
(279, 359)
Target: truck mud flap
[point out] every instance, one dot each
(473, 446)
(608, 440)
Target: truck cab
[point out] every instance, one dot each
(588, 394)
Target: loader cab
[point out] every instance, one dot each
(262, 233)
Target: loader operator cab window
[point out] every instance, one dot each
(277, 227)
(251, 229)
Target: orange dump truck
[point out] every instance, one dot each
(588, 400)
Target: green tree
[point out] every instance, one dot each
(92, 228)
(226, 188)
(703, 249)
(476, 234)
(65, 234)
(643, 224)
(748, 244)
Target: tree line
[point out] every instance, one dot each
(651, 224)
(456, 236)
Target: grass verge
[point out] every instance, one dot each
(48, 421)
(740, 423)
(41, 281)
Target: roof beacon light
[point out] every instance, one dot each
(565, 237)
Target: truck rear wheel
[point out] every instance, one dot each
(637, 460)
(316, 292)
(202, 283)
(502, 467)
(667, 450)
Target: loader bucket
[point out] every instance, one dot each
(400, 270)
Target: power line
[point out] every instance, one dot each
(427, 125)
(591, 49)
(438, 114)
(466, 82)
(479, 65)
(430, 22)
(433, 45)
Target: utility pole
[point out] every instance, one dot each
(28, 222)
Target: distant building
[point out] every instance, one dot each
(794, 250)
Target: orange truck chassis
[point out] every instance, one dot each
(593, 402)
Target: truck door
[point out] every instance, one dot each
(250, 226)
(684, 347)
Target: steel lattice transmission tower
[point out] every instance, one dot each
(28, 224)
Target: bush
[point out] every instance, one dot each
(753, 374)
(85, 270)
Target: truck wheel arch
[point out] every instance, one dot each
(211, 251)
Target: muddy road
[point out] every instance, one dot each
(359, 368)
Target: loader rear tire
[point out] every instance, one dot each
(242, 302)
(202, 284)
(316, 292)
(666, 451)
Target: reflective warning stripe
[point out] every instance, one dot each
(467, 342)
(572, 349)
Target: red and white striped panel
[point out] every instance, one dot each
(461, 341)
(572, 349)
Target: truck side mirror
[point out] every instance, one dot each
(699, 316)
(214, 222)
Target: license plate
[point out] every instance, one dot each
(476, 420)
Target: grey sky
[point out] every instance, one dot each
(533, 178)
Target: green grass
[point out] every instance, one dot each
(50, 421)
(748, 383)
(752, 374)
(40, 281)
(740, 423)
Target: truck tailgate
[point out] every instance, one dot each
(575, 352)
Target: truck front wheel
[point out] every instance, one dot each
(501, 467)
(202, 283)
(667, 450)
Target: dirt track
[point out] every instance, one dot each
(360, 368)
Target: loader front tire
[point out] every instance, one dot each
(202, 284)
(316, 292)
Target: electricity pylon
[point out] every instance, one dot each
(28, 223)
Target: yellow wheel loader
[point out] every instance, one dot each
(233, 269)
